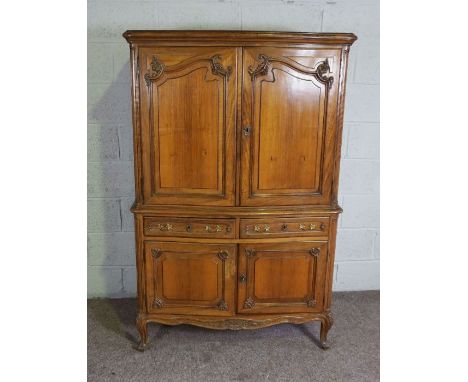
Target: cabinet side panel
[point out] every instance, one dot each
(339, 123)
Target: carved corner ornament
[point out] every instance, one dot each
(223, 255)
(249, 303)
(315, 252)
(157, 69)
(262, 68)
(218, 69)
(250, 252)
(156, 252)
(158, 303)
(311, 303)
(222, 305)
(322, 75)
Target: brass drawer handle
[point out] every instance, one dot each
(308, 227)
(258, 228)
(210, 229)
(165, 227)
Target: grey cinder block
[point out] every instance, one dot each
(105, 282)
(103, 143)
(117, 248)
(104, 215)
(355, 244)
(359, 176)
(357, 275)
(360, 211)
(110, 179)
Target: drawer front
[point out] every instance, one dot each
(285, 227)
(188, 227)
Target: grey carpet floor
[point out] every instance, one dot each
(283, 352)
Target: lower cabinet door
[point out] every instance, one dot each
(282, 277)
(189, 278)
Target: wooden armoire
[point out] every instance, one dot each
(237, 139)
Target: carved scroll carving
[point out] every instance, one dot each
(322, 75)
(262, 68)
(157, 68)
(218, 69)
(242, 323)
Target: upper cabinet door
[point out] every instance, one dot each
(289, 113)
(188, 105)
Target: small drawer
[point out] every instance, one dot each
(188, 227)
(285, 227)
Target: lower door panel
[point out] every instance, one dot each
(281, 277)
(189, 278)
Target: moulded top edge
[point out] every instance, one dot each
(237, 210)
(238, 36)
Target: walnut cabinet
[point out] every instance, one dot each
(237, 139)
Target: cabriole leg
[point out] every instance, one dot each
(327, 323)
(142, 326)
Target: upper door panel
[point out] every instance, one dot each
(188, 101)
(288, 118)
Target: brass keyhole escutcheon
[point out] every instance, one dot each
(242, 278)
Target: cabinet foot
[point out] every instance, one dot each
(141, 346)
(327, 323)
(142, 327)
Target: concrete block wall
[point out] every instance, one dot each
(111, 247)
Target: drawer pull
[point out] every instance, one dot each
(258, 228)
(165, 227)
(309, 227)
(211, 229)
